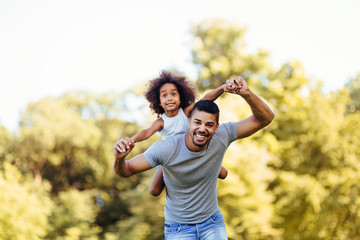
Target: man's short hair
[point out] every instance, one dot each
(207, 106)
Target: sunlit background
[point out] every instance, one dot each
(72, 78)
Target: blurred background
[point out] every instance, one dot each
(72, 78)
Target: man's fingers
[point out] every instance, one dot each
(230, 84)
(238, 81)
(117, 147)
(128, 143)
(123, 145)
(234, 85)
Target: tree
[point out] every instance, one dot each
(6, 146)
(24, 207)
(74, 216)
(353, 86)
(52, 134)
(219, 53)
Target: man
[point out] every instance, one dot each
(191, 163)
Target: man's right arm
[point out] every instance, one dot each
(126, 168)
(262, 114)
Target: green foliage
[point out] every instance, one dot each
(144, 214)
(299, 199)
(6, 145)
(353, 86)
(24, 207)
(218, 51)
(52, 136)
(74, 216)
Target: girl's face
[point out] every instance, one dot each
(169, 97)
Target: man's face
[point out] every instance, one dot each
(202, 126)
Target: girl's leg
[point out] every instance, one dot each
(157, 184)
(223, 172)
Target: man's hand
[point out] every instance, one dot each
(237, 85)
(123, 147)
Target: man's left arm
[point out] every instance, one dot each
(126, 168)
(262, 114)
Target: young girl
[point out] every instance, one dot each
(172, 97)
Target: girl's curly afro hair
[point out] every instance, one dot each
(185, 88)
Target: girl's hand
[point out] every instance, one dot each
(237, 85)
(123, 147)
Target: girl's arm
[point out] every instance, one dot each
(144, 134)
(157, 184)
(212, 96)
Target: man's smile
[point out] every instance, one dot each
(200, 136)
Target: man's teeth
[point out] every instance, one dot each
(200, 136)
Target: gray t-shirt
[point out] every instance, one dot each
(191, 177)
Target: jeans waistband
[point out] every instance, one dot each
(167, 224)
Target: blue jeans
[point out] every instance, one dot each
(212, 229)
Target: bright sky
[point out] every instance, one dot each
(48, 47)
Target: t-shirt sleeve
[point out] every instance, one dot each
(227, 132)
(156, 153)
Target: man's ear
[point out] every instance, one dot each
(217, 126)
